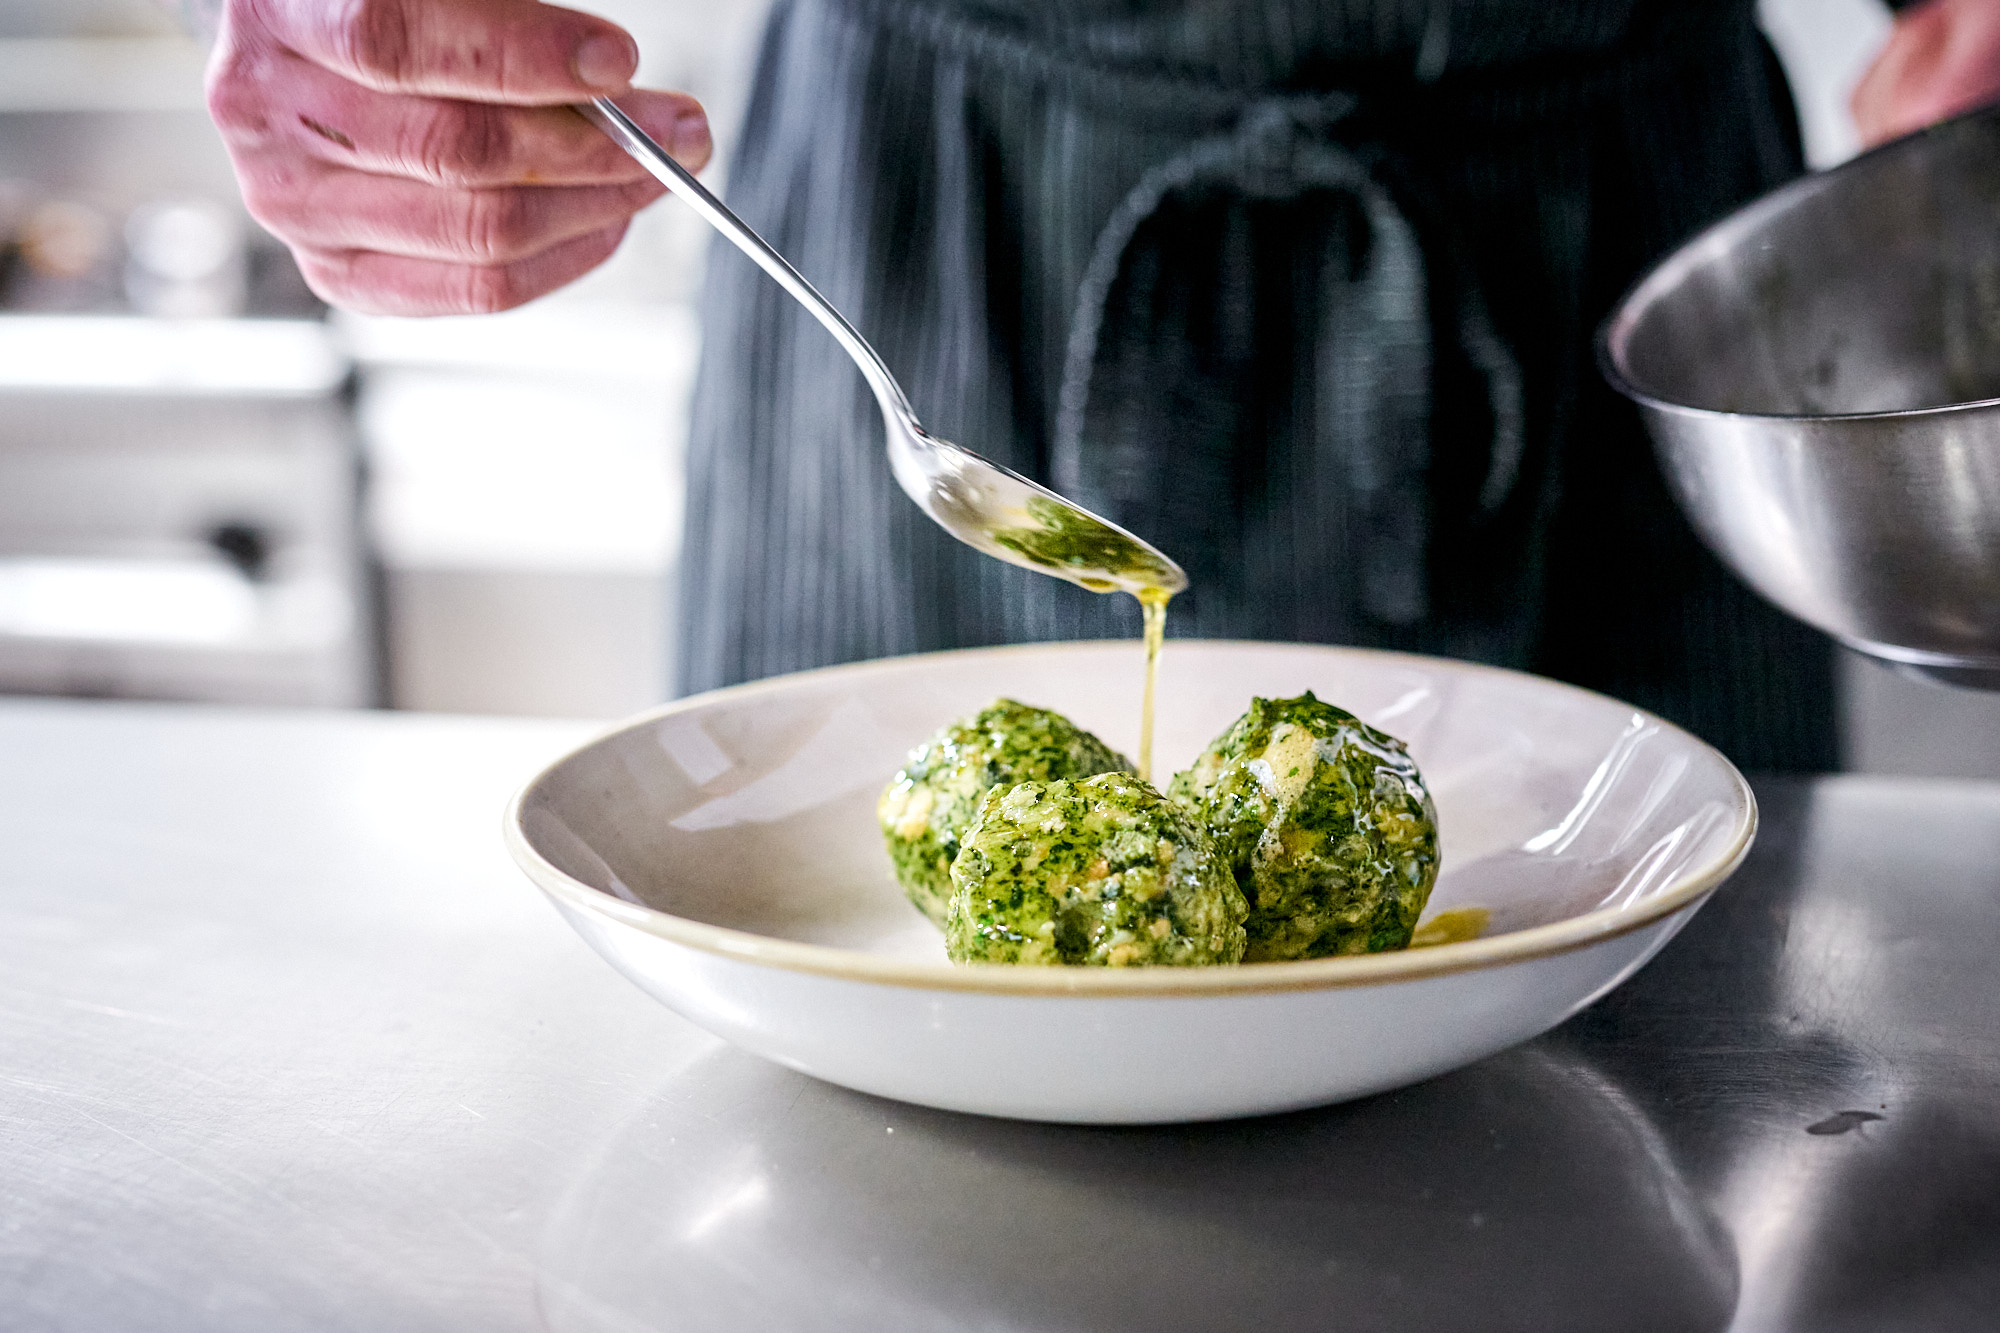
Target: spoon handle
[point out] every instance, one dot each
(626, 133)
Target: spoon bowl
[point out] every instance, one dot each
(988, 507)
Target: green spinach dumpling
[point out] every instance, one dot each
(930, 804)
(1104, 872)
(1324, 822)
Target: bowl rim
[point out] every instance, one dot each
(1557, 937)
(1639, 295)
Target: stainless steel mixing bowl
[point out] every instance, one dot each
(1820, 372)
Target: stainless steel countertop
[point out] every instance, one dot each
(286, 1044)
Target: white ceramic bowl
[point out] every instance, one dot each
(722, 852)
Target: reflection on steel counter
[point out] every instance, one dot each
(1664, 1161)
(178, 508)
(1526, 1192)
(274, 1028)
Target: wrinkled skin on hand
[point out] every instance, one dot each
(933, 800)
(1105, 872)
(1324, 822)
(1942, 58)
(420, 157)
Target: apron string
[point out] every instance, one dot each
(1372, 432)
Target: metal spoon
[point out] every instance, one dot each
(983, 504)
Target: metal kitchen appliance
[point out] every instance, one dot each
(178, 515)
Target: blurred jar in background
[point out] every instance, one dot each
(63, 257)
(15, 196)
(185, 259)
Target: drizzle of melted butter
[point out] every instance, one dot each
(1153, 601)
(1286, 766)
(1452, 927)
(910, 809)
(1056, 538)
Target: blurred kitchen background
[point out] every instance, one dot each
(210, 489)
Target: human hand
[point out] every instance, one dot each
(1942, 58)
(419, 156)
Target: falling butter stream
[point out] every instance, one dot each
(1452, 927)
(1113, 577)
(1153, 601)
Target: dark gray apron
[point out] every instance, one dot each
(1301, 292)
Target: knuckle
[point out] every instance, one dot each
(359, 281)
(639, 194)
(329, 278)
(273, 196)
(237, 99)
(495, 226)
(375, 37)
(270, 208)
(488, 289)
(461, 143)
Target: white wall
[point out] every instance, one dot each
(1825, 45)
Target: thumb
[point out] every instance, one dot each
(514, 51)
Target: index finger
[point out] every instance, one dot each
(516, 51)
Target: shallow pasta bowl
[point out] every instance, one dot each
(722, 853)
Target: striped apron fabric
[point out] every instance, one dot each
(1302, 292)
